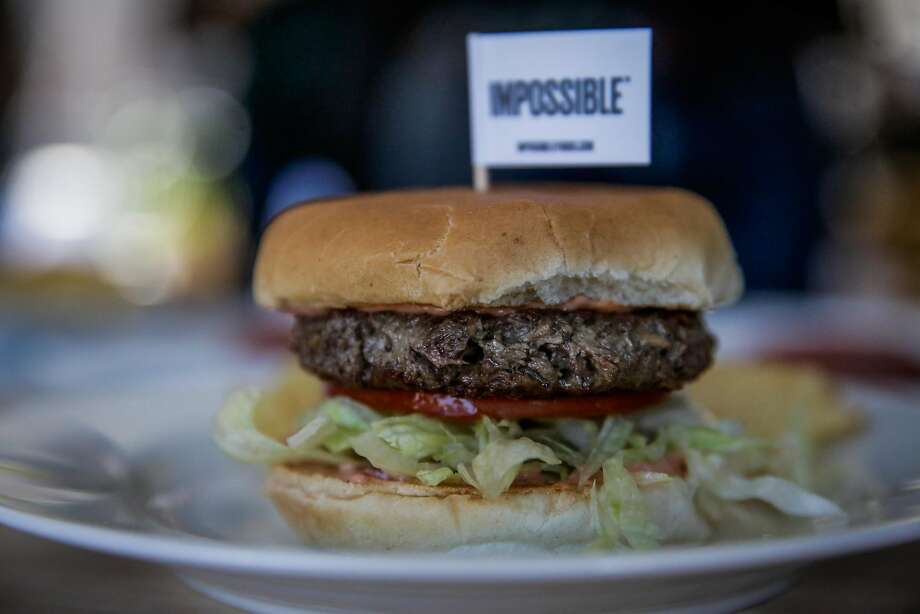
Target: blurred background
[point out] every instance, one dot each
(145, 145)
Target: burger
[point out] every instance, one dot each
(504, 367)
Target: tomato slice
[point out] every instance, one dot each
(456, 408)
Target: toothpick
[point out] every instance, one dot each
(480, 178)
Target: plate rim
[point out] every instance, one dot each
(306, 563)
(431, 567)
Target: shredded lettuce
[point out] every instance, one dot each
(610, 440)
(672, 508)
(384, 456)
(433, 477)
(640, 450)
(493, 470)
(339, 442)
(414, 436)
(712, 439)
(618, 509)
(634, 503)
(348, 414)
(580, 434)
(313, 433)
(709, 471)
(568, 454)
(236, 434)
(457, 452)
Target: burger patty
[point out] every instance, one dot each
(524, 353)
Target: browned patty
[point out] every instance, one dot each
(525, 354)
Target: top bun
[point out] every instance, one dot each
(454, 248)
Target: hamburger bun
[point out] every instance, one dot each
(330, 512)
(455, 248)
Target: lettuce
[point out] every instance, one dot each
(334, 423)
(610, 440)
(493, 470)
(348, 414)
(562, 449)
(456, 452)
(618, 510)
(632, 507)
(746, 452)
(383, 456)
(710, 439)
(433, 477)
(397, 444)
(313, 433)
(339, 442)
(639, 450)
(580, 434)
(709, 472)
(784, 495)
(413, 436)
(236, 434)
(672, 508)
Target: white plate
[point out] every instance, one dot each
(134, 473)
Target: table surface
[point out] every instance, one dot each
(42, 576)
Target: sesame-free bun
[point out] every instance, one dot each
(329, 512)
(454, 248)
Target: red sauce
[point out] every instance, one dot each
(456, 408)
(849, 359)
(575, 303)
(672, 464)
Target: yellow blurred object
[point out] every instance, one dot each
(769, 399)
(180, 240)
(62, 283)
(63, 295)
(873, 219)
(284, 402)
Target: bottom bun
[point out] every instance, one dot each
(327, 511)
(373, 514)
